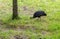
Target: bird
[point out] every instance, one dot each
(39, 14)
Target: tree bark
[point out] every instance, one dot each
(15, 10)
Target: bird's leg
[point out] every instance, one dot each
(40, 18)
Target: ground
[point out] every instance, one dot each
(45, 28)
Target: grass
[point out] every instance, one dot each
(46, 28)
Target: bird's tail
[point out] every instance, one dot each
(31, 17)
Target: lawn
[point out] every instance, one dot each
(43, 28)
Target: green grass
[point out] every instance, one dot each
(46, 28)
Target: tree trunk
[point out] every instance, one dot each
(15, 10)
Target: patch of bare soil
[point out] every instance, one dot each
(44, 33)
(21, 37)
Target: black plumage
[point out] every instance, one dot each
(39, 14)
